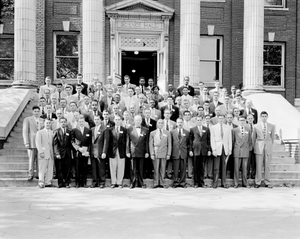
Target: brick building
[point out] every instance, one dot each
(251, 43)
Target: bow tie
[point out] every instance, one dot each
(138, 127)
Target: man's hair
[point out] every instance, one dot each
(35, 107)
(63, 118)
(42, 98)
(186, 111)
(263, 113)
(59, 84)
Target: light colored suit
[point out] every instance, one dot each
(52, 89)
(30, 128)
(44, 144)
(155, 114)
(160, 146)
(263, 147)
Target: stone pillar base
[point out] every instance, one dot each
(252, 90)
(25, 85)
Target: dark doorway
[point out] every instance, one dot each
(137, 64)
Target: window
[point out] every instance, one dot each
(274, 64)
(6, 57)
(211, 58)
(274, 3)
(66, 54)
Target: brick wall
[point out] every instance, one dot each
(40, 41)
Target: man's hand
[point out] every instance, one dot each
(146, 155)
(208, 153)
(58, 156)
(80, 150)
(42, 155)
(215, 153)
(191, 153)
(103, 156)
(152, 157)
(168, 157)
(128, 155)
(27, 146)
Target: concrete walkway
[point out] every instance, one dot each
(150, 213)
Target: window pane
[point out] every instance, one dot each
(67, 45)
(208, 71)
(273, 2)
(272, 75)
(67, 67)
(6, 69)
(272, 54)
(208, 48)
(6, 48)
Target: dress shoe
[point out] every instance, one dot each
(174, 186)
(30, 178)
(85, 186)
(67, 186)
(36, 177)
(214, 187)
(256, 186)
(40, 185)
(246, 186)
(156, 186)
(131, 186)
(184, 186)
(165, 187)
(59, 186)
(113, 186)
(236, 186)
(119, 186)
(94, 185)
(225, 186)
(76, 186)
(144, 186)
(269, 186)
(101, 186)
(48, 186)
(196, 186)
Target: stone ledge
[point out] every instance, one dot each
(13, 101)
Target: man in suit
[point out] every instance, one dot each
(150, 84)
(110, 84)
(94, 111)
(160, 146)
(81, 141)
(173, 110)
(191, 89)
(216, 89)
(221, 145)
(251, 167)
(30, 128)
(127, 84)
(99, 148)
(208, 160)
(84, 86)
(62, 151)
(200, 149)
(117, 136)
(242, 144)
(106, 121)
(127, 120)
(141, 85)
(204, 96)
(215, 102)
(186, 96)
(155, 113)
(249, 110)
(60, 92)
(44, 145)
(78, 97)
(180, 148)
(107, 100)
(263, 139)
(48, 86)
(138, 149)
(130, 99)
(207, 110)
(228, 107)
(48, 113)
(117, 101)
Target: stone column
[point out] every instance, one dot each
(25, 44)
(93, 19)
(253, 46)
(190, 40)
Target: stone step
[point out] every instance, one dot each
(15, 140)
(17, 129)
(13, 151)
(283, 160)
(14, 145)
(14, 165)
(285, 174)
(13, 173)
(23, 182)
(15, 134)
(285, 167)
(14, 158)
(280, 153)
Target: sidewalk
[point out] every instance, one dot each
(150, 213)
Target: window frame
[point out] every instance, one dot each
(283, 6)
(282, 85)
(55, 34)
(8, 36)
(220, 61)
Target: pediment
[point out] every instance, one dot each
(134, 7)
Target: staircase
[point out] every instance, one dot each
(14, 162)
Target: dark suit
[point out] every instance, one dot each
(137, 146)
(45, 116)
(62, 147)
(180, 150)
(212, 106)
(81, 140)
(84, 88)
(117, 153)
(191, 90)
(200, 144)
(245, 113)
(98, 147)
(174, 112)
(251, 166)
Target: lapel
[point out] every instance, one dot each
(34, 122)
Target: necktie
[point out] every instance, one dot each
(49, 117)
(95, 113)
(78, 98)
(43, 112)
(167, 126)
(222, 133)
(160, 133)
(251, 126)
(179, 134)
(200, 130)
(49, 136)
(117, 131)
(59, 96)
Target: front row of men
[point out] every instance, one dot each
(136, 145)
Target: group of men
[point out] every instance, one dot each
(137, 133)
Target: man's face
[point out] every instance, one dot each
(264, 118)
(109, 93)
(165, 96)
(81, 122)
(58, 114)
(238, 99)
(156, 91)
(132, 109)
(248, 104)
(48, 81)
(126, 80)
(69, 91)
(221, 119)
(179, 123)
(130, 92)
(120, 88)
(117, 99)
(54, 100)
(36, 113)
(201, 110)
(216, 96)
(201, 85)
(149, 95)
(196, 100)
(217, 111)
(63, 103)
(186, 80)
(47, 94)
(226, 100)
(94, 106)
(73, 107)
(109, 80)
(79, 79)
(250, 119)
(147, 114)
(160, 124)
(242, 122)
(76, 116)
(229, 118)
(233, 90)
(115, 108)
(48, 109)
(236, 112)
(187, 116)
(78, 89)
(224, 91)
(170, 101)
(207, 120)
(105, 115)
(152, 103)
(138, 90)
(167, 114)
(185, 91)
(137, 121)
(217, 85)
(142, 81)
(47, 124)
(178, 101)
(199, 121)
(86, 100)
(141, 98)
(125, 115)
(206, 106)
(97, 120)
(150, 82)
(59, 88)
(117, 121)
(205, 90)
(186, 104)
(63, 123)
(238, 92)
(171, 88)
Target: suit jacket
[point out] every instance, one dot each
(112, 86)
(172, 125)
(174, 112)
(117, 142)
(254, 113)
(217, 142)
(259, 142)
(180, 148)
(30, 129)
(203, 98)
(81, 140)
(129, 123)
(155, 114)
(200, 141)
(188, 126)
(53, 116)
(62, 143)
(44, 143)
(52, 89)
(191, 90)
(105, 104)
(100, 141)
(125, 87)
(151, 126)
(137, 145)
(212, 107)
(160, 147)
(84, 88)
(241, 145)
